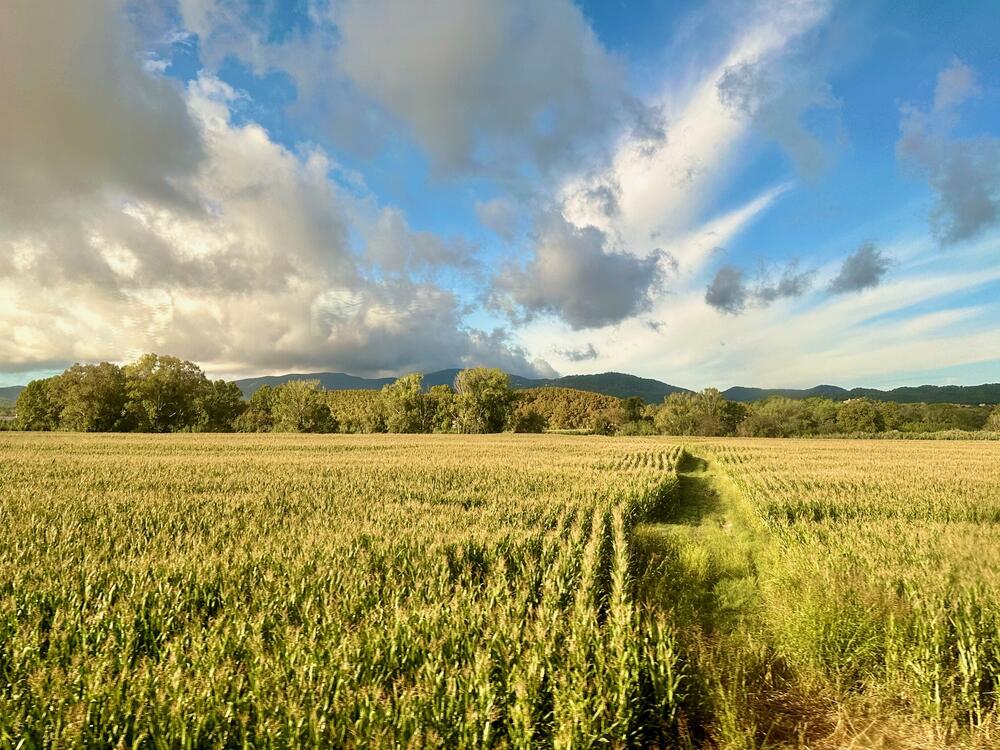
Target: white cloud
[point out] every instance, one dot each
(264, 278)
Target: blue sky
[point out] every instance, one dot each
(770, 193)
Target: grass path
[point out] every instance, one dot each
(698, 559)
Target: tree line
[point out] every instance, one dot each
(708, 413)
(159, 393)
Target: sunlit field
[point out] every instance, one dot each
(506, 591)
(304, 590)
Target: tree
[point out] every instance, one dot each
(441, 408)
(860, 415)
(299, 407)
(633, 406)
(993, 423)
(92, 397)
(162, 393)
(484, 400)
(257, 417)
(219, 405)
(677, 415)
(357, 410)
(527, 420)
(36, 407)
(405, 405)
(776, 417)
(821, 415)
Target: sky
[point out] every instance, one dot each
(718, 193)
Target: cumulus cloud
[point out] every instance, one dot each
(487, 85)
(500, 215)
(862, 269)
(84, 123)
(575, 275)
(964, 173)
(485, 81)
(264, 277)
(579, 355)
(731, 291)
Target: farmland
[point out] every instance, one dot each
(511, 590)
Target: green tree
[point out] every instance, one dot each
(258, 416)
(633, 406)
(441, 408)
(776, 417)
(406, 409)
(299, 406)
(162, 393)
(92, 397)
(483, 401)
(893, 416)
(37, 407)
(527, 420)
(860, 415)
(678, 415)
(219, 405)
(821, 415)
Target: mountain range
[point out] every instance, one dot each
(610, 383)
(624, 385)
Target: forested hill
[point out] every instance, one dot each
(617, 384)
(10, 392)
(988, 393)
(623, 385)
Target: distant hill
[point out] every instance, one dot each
(623, 385)
(10, 393)
(331, 381)
(988, 393)
(617, 384)
(609, 383)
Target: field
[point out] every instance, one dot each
(512, 591)
(327, 591)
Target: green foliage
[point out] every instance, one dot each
(776, 417)
(219, 406)
(91, 397)
(527, 420)
(357, 411)
(705, 413)
(299, 406)
(37, 407)
(162, 393)
(484, 400)
(440, 408)
(258, 415)
(566, 408)
(406, 408)
(860, 415)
